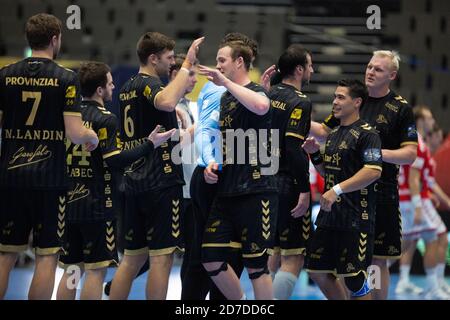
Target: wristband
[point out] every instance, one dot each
(186, 64)
(338, 190)
(316, 158)
(416, 201)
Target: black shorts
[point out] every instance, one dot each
(250, 218)
(292, 233)
(342, 253)
(91, 245)
(152, 222)
(388, 231)
(41, 211)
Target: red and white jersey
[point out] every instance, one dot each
(425, 163)
(315, 179)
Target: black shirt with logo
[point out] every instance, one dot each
(347, 150)
(393, 119)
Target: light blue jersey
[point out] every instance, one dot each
(207, 133)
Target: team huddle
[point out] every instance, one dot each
(70, 169)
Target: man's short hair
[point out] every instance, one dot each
(240, 49)
(356, 89)
(392, 55)
(153, 43)
(420, 110)
(92, 75)
(294, 55)
(40, 30)
(237, 36)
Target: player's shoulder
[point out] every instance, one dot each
(256, 87)
(399, 101)
(366, 129)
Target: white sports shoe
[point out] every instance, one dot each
(104, 295)
(444, 286)
(435, 294)
(407, 287)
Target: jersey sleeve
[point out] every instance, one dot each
(331, 121)
(299, 121)
(151, 89)
(72, 97)
(370, 150)
(108, 136)
(408, 131)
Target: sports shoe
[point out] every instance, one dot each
(435, 294)
(407, 287)
(106, 289)
(444, 286)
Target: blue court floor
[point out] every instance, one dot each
(21, 278)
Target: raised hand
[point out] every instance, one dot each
(267, 75)
(213, 75)
(311, 145)
(158, 138)
(191, 55)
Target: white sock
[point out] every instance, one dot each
(440, 271)
(431, 276)
(404, 272)
(283, 285)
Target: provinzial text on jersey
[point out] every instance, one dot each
(38, 82)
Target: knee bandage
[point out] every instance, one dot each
(223, 267)
(257, 274)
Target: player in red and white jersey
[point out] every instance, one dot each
(420, 218)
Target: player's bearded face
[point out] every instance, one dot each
(108, 90)
(308, 70)
(165, 61)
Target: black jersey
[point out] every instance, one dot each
(138, 118)
(92, 187)
(393, 119)
(291, 116)
(348, 149)
(35, 94)
(245, 137)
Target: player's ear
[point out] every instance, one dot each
(153, 59)
(54, 40)
(99, 91)
(393, 75)
(240, 61)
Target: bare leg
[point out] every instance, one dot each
(93, 284)
(382, 293)
(125, 274)
(67, 288)
(7, 262)
(158, 277)
(329, 285)
(262, 286)
(41, 287)
(227, 281)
